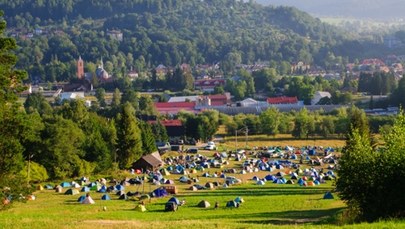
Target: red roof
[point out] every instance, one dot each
(174, 122)
(282, 100)
(175, 105)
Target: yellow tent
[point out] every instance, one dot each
(140, 208)
(40, 188)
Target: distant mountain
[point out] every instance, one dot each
(361, 9)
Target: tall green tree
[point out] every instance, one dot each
(148, 140)
(303, 125)
(270, 120)
(129, 139)
(11, 120)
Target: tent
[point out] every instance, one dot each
(184, 179)
(164, 172)
(65, 185)
(48, 186)
(239, 200)
(71, 192)
(269, 178)
(204, 204)
(103, 189)
(193, 188)
(328, 195)
(88, 200)
(206, 175)
(232, 204)
(85, 189)
(59, 189)
(123, 197)
(140, 208)
(225, 186)
(119, 187)
(105, 197)
(174, 199)
(40, 188)
(160, 192)
(260, 182)
(255, 178)
(81, 198)
(75, 185)
(209, 185)
(290, 182)
(119, 193)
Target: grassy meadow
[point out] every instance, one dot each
(267, 206)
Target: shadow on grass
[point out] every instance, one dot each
(290, 217)
(271, 191)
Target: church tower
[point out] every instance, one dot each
(80, 68)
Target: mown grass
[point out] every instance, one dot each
(281, 206)
(268, 206)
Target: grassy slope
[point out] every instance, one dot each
(283, 206)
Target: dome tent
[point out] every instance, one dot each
(204, 204)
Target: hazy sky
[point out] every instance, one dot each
(366, 9)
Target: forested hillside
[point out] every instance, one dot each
(167, 32)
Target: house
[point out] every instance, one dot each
(115, 35)
(319, 95)
(282, 100)
(208, 85)
(151, 162)
(74, 96)
(249, 102)
(133, 74)
(174, 128)
(161, 69)
(220, 100)
(176, 99)
(175, 107)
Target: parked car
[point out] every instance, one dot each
(210, 147)
(192, 150)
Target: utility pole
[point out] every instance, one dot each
(246, 135)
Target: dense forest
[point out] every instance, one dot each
(168, 32)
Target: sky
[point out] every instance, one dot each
(358, 9)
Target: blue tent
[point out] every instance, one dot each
(174, 199)
(119, 187)
(316, 182)
(278, 166)
(269, 177)
(160, 192)
(328, 195)
(85, 189)
(312, 152)
(65, 184)
(92, 184)
(105, 197)
(103, 189)
(48, 186)
(81, 198)
(239, 200)
(300, 181)
(255, 178)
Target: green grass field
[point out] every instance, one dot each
(268, 206)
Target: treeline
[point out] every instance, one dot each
(170, 33)
(302, 124)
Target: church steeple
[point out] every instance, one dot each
(80, 68)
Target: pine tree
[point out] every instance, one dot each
(129, 140)
(148, 140)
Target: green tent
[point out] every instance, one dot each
(72, 192)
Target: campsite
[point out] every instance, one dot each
(251, 193)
